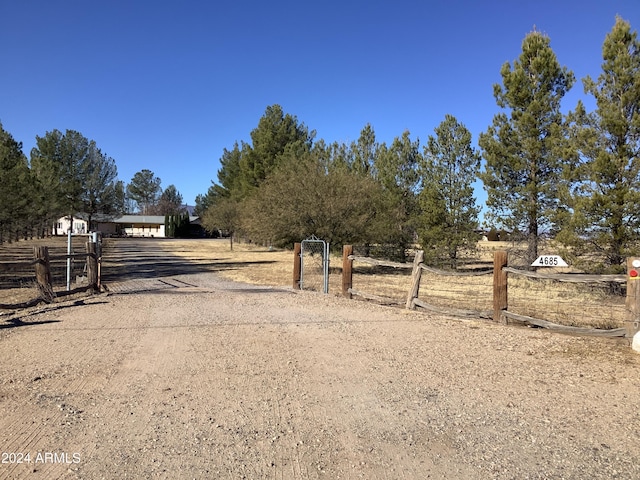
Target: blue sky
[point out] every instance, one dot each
(167, 86)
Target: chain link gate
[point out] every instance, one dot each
(314, 264)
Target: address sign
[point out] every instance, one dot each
(549, 261)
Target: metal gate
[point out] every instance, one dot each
(314, 264)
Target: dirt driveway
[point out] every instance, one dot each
(180, 374)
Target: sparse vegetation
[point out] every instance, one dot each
(567, 304)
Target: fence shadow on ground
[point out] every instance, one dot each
(17, 322)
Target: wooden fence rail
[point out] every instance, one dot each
(379, 263)
(448, 273)
(501, 272)
(571, 278)
(13, 266)
(43, 277)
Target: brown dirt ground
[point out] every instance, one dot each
(178, 372)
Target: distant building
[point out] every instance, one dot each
(63, 225)
(121, 225)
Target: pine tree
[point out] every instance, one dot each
(60, 163)
(275, 134)
(396, 168)
(99, 178)
(605, 196)
(144, 189)
(449, 211)
(15, 193)
(170, 202)
(365, 152)
(523, 146)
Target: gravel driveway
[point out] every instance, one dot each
(191, 376)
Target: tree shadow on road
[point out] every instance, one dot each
(135, 259)
(152, 268)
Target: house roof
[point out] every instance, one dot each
(154, 219)
(145, 219)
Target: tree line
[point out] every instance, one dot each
(573, 177)
(68, 175)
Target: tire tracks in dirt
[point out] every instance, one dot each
(58, 381)
(220, 380)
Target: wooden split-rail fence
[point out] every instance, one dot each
(500, 273)
(43, 277)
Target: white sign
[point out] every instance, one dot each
(549, 261)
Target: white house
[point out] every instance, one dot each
(132, 226)
(120, 226)
(63, 225)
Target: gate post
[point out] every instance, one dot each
(499, 284)
(92, 265)
(296, 265)
(347, 271)
(325, 265)
(43, 273)
(632, 322)
(415, 282)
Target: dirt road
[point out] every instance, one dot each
(184, 376)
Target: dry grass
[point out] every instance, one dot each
(268, 266)
(568, 304)
(18, 284)
(245, 263)
(563, 303)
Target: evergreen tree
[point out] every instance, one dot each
(246, 166)
(182, 225)
(605, 195)
(449, 211)
(523, 146)
(339, 156)
(396, 169)
(16, 196)
(60, 165)
(203, 202)
(170, 202)
(144, 189)
(119, 206)
(276, 133)
(229, 174)
(365, 152)
(99, 183)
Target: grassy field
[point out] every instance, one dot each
(564, 303)
(594, 306)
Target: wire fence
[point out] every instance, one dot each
(473, 292)
(596, 304)
(17, 267)
(572, 300)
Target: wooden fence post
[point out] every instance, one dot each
(92, 265)
(297, 248)
(43, 273)
(632, 322)
(347, 270)
(499, 284)
(416, 273)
